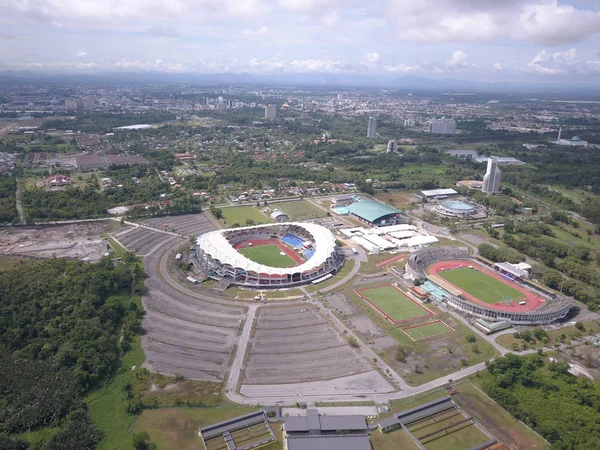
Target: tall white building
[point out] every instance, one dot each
(392, 147)
(491, 179)
(442, 126)
(340, 97)
(270, 111)
(372, 128)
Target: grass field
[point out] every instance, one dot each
(177, 428)
(427, 330)
(239, 215)
(269, 255)
(299, 210)
(480, 285)
(393, 303)
(460, 438)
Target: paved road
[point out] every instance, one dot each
(238, 362)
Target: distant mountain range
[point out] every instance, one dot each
(408, 82)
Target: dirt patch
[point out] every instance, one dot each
(340, 303)
(79, 241)
(365, 327)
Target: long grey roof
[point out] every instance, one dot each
(217, 429)
(312, 421)
(329, 443)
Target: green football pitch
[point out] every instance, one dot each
(427, 330)
(393, 303)
(480, 285)
(268, 255)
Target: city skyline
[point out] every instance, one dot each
(530, 40)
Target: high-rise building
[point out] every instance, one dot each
(220, 99)
(392, 147)
(340, 97)
(270, 111)
(410, 122)
(87, 104)
(442, 126)
(491, 179)
(70, 105)
(372, 128)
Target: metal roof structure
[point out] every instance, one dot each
(314, 422)
(216, 244)
(370, 210)
(507, 267)
(438, 193)
(329, 443)
(218, 429)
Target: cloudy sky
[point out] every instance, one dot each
(472, 39)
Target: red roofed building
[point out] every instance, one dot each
(58, 180)
(185, 156)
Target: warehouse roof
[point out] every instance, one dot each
(432, 193)
(313, 421)
(329, 443)
(371, 210)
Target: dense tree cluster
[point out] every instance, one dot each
(499, 254)
(60, 323)
(561, 407)
(8, 207)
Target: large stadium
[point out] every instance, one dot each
(473, 285)
(269, 256)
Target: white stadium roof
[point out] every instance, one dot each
(216, 244)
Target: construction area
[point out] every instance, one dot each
(81, 241)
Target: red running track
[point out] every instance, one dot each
(532, 301)
(284, 248)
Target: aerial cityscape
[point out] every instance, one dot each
(338, 240)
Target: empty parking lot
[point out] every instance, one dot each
(294, 344)
(189, 224)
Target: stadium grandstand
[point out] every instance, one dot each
(305, 252)
(553, 307)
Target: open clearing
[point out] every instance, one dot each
(299, 210)
(82, 241)
(481, 286)
(393, 303)
(294, 344)
(427, 330)
(240, 214)
(268, 255)
(177, 428)
(190, 224)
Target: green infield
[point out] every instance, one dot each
(394, 303)
(299, 209)
(427, 330)
(481, 285)
(240, 215)
(268, 255)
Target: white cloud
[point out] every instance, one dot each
(330, 18)
(555, 63)
(458, 60)
(497, 67)
(262, 31)
(162, 31)
(81, 53)
(372, 57)
(481, 20)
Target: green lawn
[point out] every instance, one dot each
(239, 215)
(393, 303)
(481, 286)
(299, 209)
(427, 330)
(269, 255)
(463, 437)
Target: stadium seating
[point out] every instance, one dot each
(309, 252)
(294, 241)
